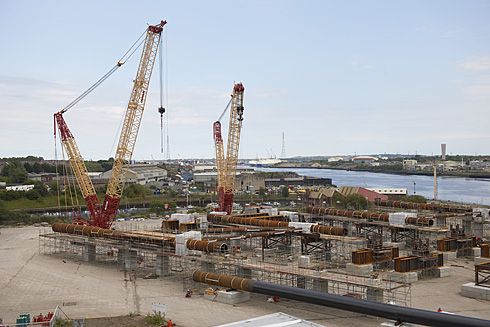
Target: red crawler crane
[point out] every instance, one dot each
(226, 167)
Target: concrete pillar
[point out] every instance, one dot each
(121, 255)
(207, 266)
(300, 281)
(349, 226)
(127, 258)
(244, 272)
(467, 225)
(320, 285)
(374, 294)
(162, 265)
(89, 252)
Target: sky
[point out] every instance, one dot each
(337, 77)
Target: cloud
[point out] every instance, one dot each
(480, 90)
(476, 64)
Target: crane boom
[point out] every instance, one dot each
(78, 166)
(226, 167)
(131, 125)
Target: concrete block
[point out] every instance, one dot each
(408, 277)
(359, 270)
(374, 282)
(228, 297)
(476, 292)
(479, 260)
(475, 252)
(443, 271)
(304, 261)
(449, 255)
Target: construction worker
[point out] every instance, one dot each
(170, 323)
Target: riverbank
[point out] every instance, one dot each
(450, 188)
(477, 175)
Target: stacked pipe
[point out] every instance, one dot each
(362, 214)
(328, 230)
(207, 246)
(247, 221)
(204, 245)
(421, 206)
(249, 235)
(388, 311)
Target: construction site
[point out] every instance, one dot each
(378, 264)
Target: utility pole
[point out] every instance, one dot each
(435, 182)
(283, 151)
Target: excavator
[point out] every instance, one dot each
(226, 166)
(103, 215)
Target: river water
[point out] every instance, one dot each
(460, 189)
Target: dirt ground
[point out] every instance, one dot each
(31, 282)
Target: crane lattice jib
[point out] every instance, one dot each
(220, 155)
(78, 167)
(131, 125)
(235, 126)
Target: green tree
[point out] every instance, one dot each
(136, 191)
(15, 172)
(414, 198)
(262, 191)
(356, 202)
(156, 207)
(285, 192)
(33, 194)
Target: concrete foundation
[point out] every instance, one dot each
(447, 256)
(475, 291)
(230, 297)
(475, 252)
(162, 265)
(480, 260)
(442, 271)
(408, 277)
(359, 270)
(89, 252)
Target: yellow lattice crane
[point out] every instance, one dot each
(103, 216)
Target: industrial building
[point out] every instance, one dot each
(140, 174)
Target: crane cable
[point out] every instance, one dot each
(226, 109)
(128, 54)
(161, 109)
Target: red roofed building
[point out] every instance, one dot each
(369, 195)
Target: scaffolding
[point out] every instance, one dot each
(272, 258)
